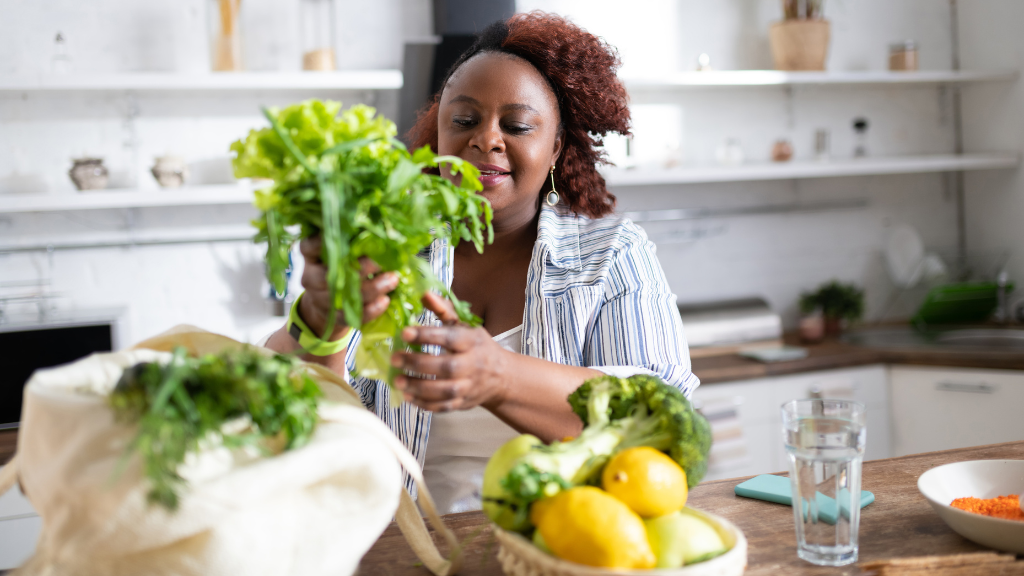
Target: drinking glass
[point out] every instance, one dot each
(825, 443)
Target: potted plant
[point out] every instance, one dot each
(836, 301)
(800, 40)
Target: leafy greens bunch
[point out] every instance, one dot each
(346, 178)
(189, 400)
(617, 413)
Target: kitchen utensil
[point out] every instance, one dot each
(824, 439)
(782, 151)
(904, 255)
(978, 479)
(317, 35)
(89, 173)
(519, 557)
(729, 322)
(821, 145)
(778, 489)
(225, 35)
(903, 56)
(860, 129)
(959, 303)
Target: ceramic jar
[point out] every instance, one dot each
(89, 173)
(170, 171)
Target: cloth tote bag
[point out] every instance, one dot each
(309, 511)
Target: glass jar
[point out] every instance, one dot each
(225, 35)
(317, 35)
(903, 56)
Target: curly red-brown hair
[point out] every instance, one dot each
(580, 68)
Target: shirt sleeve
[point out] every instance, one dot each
(366, 388)
(638, 329)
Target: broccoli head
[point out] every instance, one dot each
(655, 415)
(617, 413)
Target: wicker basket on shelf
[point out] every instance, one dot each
(519, 557)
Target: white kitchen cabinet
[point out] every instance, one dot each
(746, 420)
(19, 529)
(945, 408)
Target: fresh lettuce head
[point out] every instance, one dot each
(343, 175)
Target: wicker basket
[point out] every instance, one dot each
(519, 557)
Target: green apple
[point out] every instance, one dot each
(681, 539)
(498, 467)
(539, 542)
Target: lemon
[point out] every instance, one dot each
(588, 526)
(647, 480)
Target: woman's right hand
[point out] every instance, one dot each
(316, 302)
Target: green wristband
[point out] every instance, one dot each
(309, 341)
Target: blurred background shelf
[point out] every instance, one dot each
(812, 169)
(775, 78)
(128, 198)
(170, 82)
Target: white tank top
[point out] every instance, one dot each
(460, 444)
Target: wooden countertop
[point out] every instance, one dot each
(834, 354)
(899, 524)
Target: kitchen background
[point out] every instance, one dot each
(789, 236)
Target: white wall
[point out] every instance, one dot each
(217, 286)
(994, 118)
(779, 256)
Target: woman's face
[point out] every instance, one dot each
(499, 113)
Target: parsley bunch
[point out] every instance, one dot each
(346, 178)
(188, 400)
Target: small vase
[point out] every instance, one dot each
(833, 326)
(170, 171)
(799, 44)
(89, 174)
(812, 329)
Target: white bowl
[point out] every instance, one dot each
(519, 557)
(978, 479)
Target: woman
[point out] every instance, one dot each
(567, 291)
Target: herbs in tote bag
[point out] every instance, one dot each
(346, 178)
(268, 403)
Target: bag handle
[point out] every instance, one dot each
(410, 522)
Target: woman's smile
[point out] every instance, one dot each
(491, 175)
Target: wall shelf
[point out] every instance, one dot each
(242, 193)
(811, 169)
(727, 78)
(128, 198)
(222, 81)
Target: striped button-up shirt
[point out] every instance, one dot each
(596, 296)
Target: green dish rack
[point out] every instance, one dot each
(960, 303)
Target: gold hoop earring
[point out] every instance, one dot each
(553, 195)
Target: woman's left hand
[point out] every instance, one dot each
(469, 373)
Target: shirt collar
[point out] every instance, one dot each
(559, 230)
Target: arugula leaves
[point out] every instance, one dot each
(348, 179)
(267, 403)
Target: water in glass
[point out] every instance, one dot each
(825, 443)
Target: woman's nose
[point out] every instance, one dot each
(488, 137)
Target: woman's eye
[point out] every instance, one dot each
(462, 121)
(517, 128)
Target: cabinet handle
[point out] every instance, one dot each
(970, 388)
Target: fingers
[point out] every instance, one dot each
(453, 338)
(367, 267)
(435, 395)
(447, 366)
(442, 307)
(378, 286)
(310, 249)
